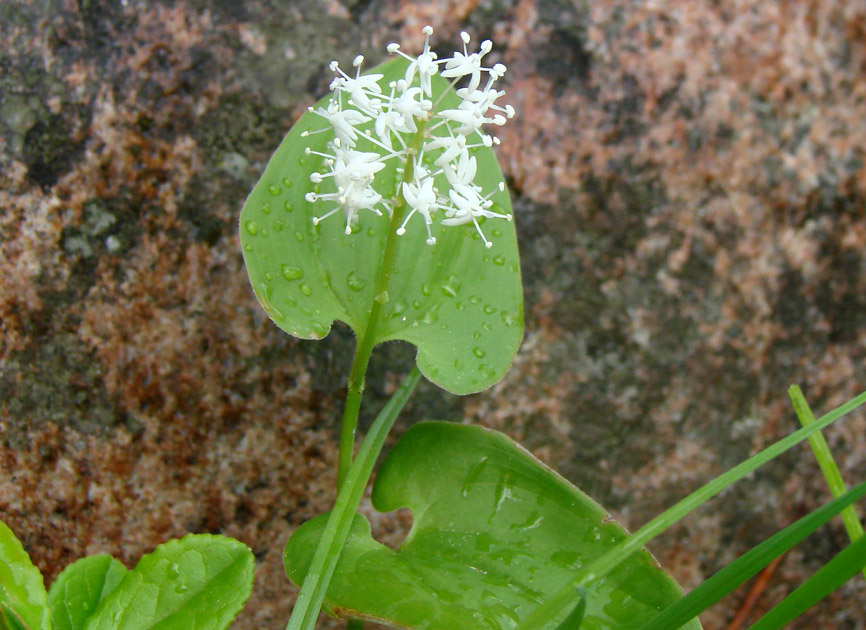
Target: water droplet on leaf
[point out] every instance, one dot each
(305, 289)
(355, 283)
(251, 227)
(291, 273)
(479, 352)
(274, 190)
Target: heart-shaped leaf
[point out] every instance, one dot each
(494, 532)
(23, 600)
(80, 587)
(459, 303)
(200, 581)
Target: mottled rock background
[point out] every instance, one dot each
(689, 181)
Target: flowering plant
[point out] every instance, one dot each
(384, 207)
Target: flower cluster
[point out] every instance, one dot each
(398, 116)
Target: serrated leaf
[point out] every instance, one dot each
(80, 587)
(22, 590)
(494, 532)
(199, 582)
(459, 303)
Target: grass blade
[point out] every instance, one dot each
(845, 565)
(312, 594)
(827, 464)
(749, 564)
(613, 558)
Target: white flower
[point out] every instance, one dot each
(466, 64)
(343, 121)
(425, 64)
(360, 88)
(360, 151)
(421, 198)
(353, 173)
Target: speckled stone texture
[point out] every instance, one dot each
(689, 185)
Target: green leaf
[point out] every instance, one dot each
(9, 619)
(494, 531)
(80, 587)
(459, 303)
(845, 565)
(747, 565)
(199, 582)
(22, 591)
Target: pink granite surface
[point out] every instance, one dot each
(689, 184)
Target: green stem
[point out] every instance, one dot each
(549, 610)
(827, 464)
(366, 343)
(336, 530)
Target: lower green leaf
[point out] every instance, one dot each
(22, 590)
(200, 581)
(494, 531)
(80, 587)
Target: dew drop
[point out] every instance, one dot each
(489, 309)
(474, 299)
(287, 182)
(302, 161)
(382, 298)
(252, 228)
(291, 273)
(355, 283)
(299, 236)
(416, 304)
(460, 306)
(173, 571)
(425, 289)
(496, 232)
(181, 589)
(458, 364)
(486, 326)
(476, 335)
(287, 206)
(305, 289)
(278, 227)
(318, 331)
(248, 248)
(508, 319)
(274, 190)
(499, 260)
(478, 352)
(451, 287)
(269, 276)
(266, 207)
(291, 302)
(371, 232)
(487, 370)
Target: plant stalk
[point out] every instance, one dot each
(366, 343)
(337, 528)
